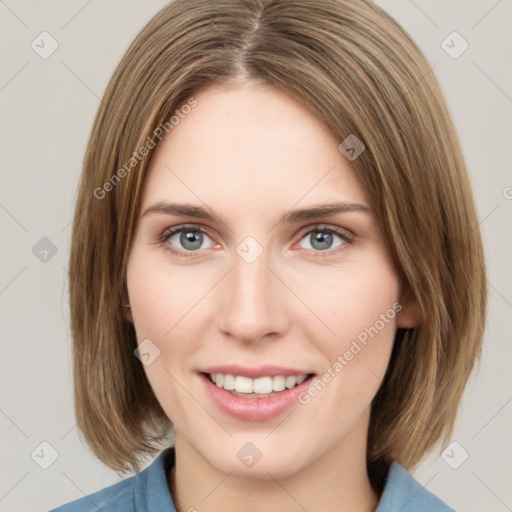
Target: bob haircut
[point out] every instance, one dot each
(359, 72)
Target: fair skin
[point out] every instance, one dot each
(250, 154)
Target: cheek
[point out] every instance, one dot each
(166, 305)
(358, 304)
(162, 302)
(362, 311)
(161, 296)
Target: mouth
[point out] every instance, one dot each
(261, 387)
(254, 394)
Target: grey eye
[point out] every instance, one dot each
(322, 239)
(189, 239)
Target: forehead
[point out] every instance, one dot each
(250, 145)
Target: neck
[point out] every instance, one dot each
(336, 481)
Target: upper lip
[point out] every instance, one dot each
(255, 372)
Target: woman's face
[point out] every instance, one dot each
(258, 288)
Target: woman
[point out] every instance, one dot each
(275, 252)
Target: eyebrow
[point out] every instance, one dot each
(291, 216)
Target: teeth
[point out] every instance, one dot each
(290, 381)
(229, 382)
(301, 379)
(243, 384)
(260, 386)
(278, 383)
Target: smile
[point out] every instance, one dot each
(257, 394)
(261, 387)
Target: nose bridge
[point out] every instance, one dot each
(253, 306)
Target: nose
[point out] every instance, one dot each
(253, 305)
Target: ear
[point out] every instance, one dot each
(126, 305)
(410, 315)
(127, 312)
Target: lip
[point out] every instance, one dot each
(254, 373)
(253, 409)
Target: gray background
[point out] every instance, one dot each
(48, 107)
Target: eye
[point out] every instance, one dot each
(323, 239)
(186, 239)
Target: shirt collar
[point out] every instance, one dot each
(403, 493)
(151, 493)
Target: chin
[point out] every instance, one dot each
(257, 458)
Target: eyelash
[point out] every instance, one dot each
(164, 237)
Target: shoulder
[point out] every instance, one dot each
(131, 494)
(403, 493)
(117, 497)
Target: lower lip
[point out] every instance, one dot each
(253, 409)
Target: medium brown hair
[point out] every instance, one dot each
(356, 69)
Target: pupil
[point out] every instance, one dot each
(323, 239)
(191, 240)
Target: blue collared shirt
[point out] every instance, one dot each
(148, 492)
